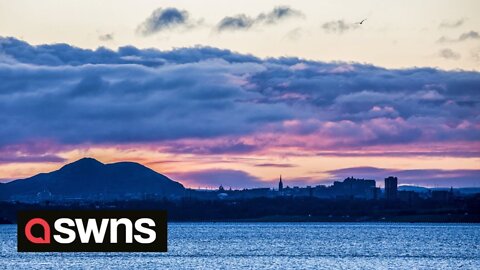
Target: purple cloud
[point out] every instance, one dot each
(276, 165)
(465, 153)
(71, 96)
(214, 178)
(34, 152)
(31, 159)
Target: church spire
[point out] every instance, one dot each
(280, 184)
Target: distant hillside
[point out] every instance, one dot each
(413, 188)
(89, 178)
(462, 190)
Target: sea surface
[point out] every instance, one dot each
(278, 246)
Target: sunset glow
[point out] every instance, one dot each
(312, 98)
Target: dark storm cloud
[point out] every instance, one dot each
(424, 177)
(71, 96)
(449, 54)
(163, 19)
(339, 26)
(243, 22)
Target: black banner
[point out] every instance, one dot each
(92, 231)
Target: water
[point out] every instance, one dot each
(278, 246)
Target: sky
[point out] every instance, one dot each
(235, 93)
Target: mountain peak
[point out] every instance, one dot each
(89, 178)
(84, 163)
(87, 160)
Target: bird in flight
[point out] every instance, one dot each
(361, 22)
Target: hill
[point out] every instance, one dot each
(88, 178)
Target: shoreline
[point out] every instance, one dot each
(436, 219)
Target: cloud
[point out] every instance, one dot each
(106, 37)
(475, 54)
(212, 147)
(452, 24)
(240, 21)
(471, 35)
(275, 165)
(423, 177)
(244, 22)
(31, 152)
(216, 177)
(449, 54)
(13, 158)
(164, 19)
(277, 14)
(294, 34)
(204, 100)
(339, 26)
(463, 153)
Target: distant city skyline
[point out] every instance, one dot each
(228, 180)
(237, 93)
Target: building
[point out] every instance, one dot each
(322, 191)
(353, 188)
(391, 188)
(256, 193)
(442, 195)
(408, 196)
